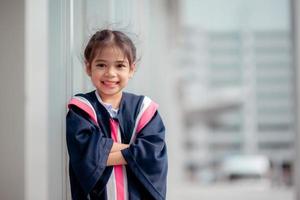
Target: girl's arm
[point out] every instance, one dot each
(115, 156)
(147, 158)
(118, 147)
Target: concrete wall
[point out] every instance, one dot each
(12, 88)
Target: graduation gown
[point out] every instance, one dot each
(90, 135)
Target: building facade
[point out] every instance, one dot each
(239, 96)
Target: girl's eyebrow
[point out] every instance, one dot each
(118, 61)
(121, 61)
(100, 60)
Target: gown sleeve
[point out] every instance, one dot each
(88, 150)
(147, 157)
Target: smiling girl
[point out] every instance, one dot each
(115, 139)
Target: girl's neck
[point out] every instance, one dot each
(113, 100)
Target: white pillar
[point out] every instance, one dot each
(36, 99)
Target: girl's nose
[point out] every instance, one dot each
(110, 71)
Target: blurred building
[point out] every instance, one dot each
(238, 97)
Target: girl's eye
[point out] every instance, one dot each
(100, 65)
(121, 66)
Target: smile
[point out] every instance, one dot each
(110, 83)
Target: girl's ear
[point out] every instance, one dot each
(132, 70)
(88, 69)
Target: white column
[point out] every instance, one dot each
(36, 99)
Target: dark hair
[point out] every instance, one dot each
(106, 37)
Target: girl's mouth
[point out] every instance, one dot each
(110, 83)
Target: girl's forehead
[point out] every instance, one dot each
(110, 52)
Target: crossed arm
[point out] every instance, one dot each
(115, 156)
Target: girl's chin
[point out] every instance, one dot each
(109, 92)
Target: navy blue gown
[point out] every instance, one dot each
(89, 141)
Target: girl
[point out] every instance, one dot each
(116, 140)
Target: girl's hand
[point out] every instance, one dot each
(115, 158)
(118, 147)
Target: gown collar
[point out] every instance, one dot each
(112, 111)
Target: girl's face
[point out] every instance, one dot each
(110, 72)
